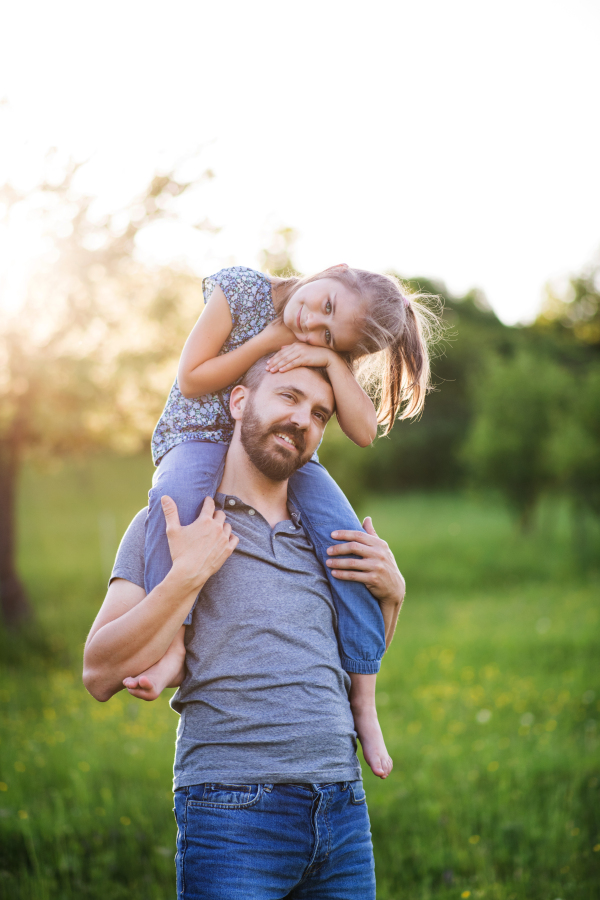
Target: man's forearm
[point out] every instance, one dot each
(136, 640)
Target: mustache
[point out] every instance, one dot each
(294, 432)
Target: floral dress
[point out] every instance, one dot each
(207, 418)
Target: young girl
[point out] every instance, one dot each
(362, 317)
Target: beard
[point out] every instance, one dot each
(272, 460)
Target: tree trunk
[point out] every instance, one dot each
(15, 606)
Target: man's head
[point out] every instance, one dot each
(281, 417)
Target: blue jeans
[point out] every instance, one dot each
(192, 471)
(274, 841)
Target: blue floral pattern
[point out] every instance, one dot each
(207, 418)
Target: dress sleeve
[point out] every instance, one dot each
(129, 563)
(228, 281)
(240, 286)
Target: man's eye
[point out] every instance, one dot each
(328, 336)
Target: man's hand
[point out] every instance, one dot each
(200, 549)
(299, 354)
(376, 568)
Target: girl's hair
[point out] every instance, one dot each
(399, 327)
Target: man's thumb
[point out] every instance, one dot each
(368, 526)
(170, 510)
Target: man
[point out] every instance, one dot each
(268, 795)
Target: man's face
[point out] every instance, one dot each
(283, 421)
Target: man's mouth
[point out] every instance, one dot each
(286, 438)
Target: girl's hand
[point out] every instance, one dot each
(300, 354)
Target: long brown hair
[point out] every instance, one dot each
(399, 327)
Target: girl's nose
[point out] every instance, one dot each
(311, 322)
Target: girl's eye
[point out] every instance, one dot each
(328, 336)
(328, 307)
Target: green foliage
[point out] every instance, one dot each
(574, 447)
(515, 404)
(536, 427)
(489, 700)
(574, 308)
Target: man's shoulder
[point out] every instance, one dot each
(130, 561)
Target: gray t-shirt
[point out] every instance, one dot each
(265, 698)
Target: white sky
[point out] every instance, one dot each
(457, 140)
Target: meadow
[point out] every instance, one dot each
(489, 700)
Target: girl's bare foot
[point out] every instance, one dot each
(141, 686)
(371, 740)
(167, 672)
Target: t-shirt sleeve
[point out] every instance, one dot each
(129, 563)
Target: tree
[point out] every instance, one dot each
(87, 359)
(516, 404)
(574, 444)
(575, 307)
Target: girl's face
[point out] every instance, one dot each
(325, 313)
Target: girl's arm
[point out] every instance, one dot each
(202, 370)
(353, 407)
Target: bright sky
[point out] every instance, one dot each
(457, 140)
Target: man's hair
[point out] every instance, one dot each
(257, 372)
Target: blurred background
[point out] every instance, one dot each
(144, 146)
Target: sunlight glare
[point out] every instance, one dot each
(22, 245)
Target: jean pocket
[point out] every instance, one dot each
(224, 795)
(357, 792)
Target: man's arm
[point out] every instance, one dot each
(133, 631)
(376, 568)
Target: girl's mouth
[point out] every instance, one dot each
(298, 321)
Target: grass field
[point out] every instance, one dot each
(489, 699)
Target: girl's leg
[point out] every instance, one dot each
(167, 672)
(361, 634)
(324, 507)
(188, 474)
(366, 723)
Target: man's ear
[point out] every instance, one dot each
(237, 401)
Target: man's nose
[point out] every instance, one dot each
(301, 416)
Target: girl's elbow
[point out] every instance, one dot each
(369, 435)
(362, 438)
(184, 385)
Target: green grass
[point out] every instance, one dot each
(489, 700)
